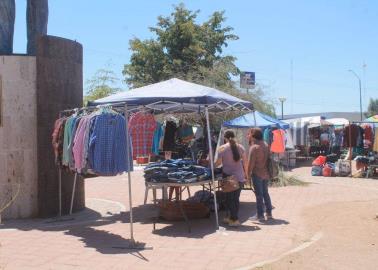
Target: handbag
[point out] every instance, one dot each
(229, 184)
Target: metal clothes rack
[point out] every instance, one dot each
(122, 108)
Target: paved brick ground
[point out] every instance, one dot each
(94, 238)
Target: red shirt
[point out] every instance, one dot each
(141, 128)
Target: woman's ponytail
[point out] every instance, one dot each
(230, 136)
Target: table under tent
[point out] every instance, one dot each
(175, 96)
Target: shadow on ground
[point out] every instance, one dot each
(86, 223)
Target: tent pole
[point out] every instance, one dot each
(73, 193)
(60, 190)
(129, 176)
(350, 147)
(254, 118)
(212, 165)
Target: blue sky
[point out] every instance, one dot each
(322, 39)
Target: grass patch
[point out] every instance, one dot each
(283, 179)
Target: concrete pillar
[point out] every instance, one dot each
(59, 87)
(18, 137)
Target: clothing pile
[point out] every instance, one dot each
(203, 196)
(176, 171)
(93, 143)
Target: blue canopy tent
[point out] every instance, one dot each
(177, 96)
(262, 120)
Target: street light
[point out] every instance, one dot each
(359, 84)
(282, 100)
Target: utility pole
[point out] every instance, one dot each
(282, 100)
(359, 85)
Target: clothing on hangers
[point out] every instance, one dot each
(278, 144)
(185, 133)
(351, 133)
(57, 139)
(158, 134)
(375, 145)
(268, 135)
(68, 128)
(79, 142)
(94, 143)
(107, 145)
(169, 136)
(142, 128)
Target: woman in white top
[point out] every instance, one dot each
(232, 156)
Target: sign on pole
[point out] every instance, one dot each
(247, 80)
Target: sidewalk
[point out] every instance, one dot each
(94, 239)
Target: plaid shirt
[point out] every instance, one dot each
(141, 128)
(107, 145)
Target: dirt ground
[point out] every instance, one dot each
(349, 238)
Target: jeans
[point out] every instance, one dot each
(262, 196)
(232, 202)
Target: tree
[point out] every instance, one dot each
(190, 51)
(372, 108)
(102, 84)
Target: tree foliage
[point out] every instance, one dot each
(102, 84)
(372, 107)
(188, 50)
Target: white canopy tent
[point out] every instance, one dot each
(176, 96)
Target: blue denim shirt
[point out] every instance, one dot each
(107, 145)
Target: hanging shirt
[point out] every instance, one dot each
(57, 139)
(375, 145)
(288, 141)
(185, 133)
(368, 136)
(169, 136)
(351, 134)
(107, 145)
(88, 131)
(142, 127)
(71, 162)
(78, 147)
(159, 131)
(67, 140)
(268, 135)
(278, 144)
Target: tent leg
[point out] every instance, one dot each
(129, 176)
(212, 165)
(73, 193)
(133, 244)
(60, 191)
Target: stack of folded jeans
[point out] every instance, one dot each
(176, 171)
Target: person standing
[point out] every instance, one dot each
(257, 170)
(232, 156)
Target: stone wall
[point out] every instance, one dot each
(18, 136)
